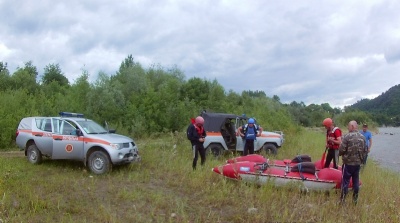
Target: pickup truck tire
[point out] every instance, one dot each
(99, 162)
(216, 150)
(270, 149)
(33, 154)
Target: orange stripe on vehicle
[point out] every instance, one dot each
(262, 135)
(96, 141)
(45, 134)
(271, 136)
(83, 139)
(213, 134)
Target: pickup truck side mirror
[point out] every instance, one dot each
(112, 131)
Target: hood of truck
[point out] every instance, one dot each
(110, 137)
(272, 134)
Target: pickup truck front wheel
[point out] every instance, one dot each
(99, 163)
(270, 149)
(33, 154)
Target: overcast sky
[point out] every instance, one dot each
(329, 51)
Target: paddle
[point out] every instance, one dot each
(323, 158)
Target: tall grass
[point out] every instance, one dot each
(164, 188)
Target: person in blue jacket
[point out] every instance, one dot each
(368, 136)
(249, 133)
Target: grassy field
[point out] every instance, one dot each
(164, 188)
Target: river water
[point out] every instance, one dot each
(386, 148)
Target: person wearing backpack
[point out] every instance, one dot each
(353, 153)
(249, 132)
(333, 141)
(196, 134)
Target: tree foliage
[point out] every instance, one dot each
(140, 101)
(53, 73)
(25, 78)
(5, 79)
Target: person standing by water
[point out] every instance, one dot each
(196, 134)
(352, 150)
(368, 137)
(249, 132)
(333, 140)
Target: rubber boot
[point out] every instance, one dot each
(355, 198)
(342, 199)
(194, 165)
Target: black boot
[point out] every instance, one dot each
(194, 164)
(355, 198)
(342, 198)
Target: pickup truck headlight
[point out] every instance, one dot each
(115, 146)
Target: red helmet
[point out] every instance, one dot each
(199, 120)
(327, 122)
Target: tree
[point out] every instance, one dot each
(216, 97)
(5, 79)
(132, 76)
(256, 93)
(196, 90)
(106, 101)
(3, 67)
(276, 98)
(326, 107)
(52, 72)
(25, 78)
(79, 93)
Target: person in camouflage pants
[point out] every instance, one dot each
(353, 152)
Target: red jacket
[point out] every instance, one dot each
(336, 133)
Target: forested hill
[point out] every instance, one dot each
(385, 108)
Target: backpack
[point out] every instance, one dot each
(192, 121)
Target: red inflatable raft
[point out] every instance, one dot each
(257, 169)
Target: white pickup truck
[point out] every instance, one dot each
(222, 135)
(73, 137)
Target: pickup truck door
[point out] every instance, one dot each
(43, 137)
(239, 139)
(66, 144)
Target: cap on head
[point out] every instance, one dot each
(365, 125)
(327, 122)
(199, 120)
(251, 121)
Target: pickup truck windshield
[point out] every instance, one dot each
(91, 127)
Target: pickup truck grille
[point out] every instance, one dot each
(125, 145)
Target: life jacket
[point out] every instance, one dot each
(332, 134)
(200, 130)
(246, 128)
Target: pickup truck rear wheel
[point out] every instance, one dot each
(34, 155)
(215, 150)
(99, 162)
(270, 149)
